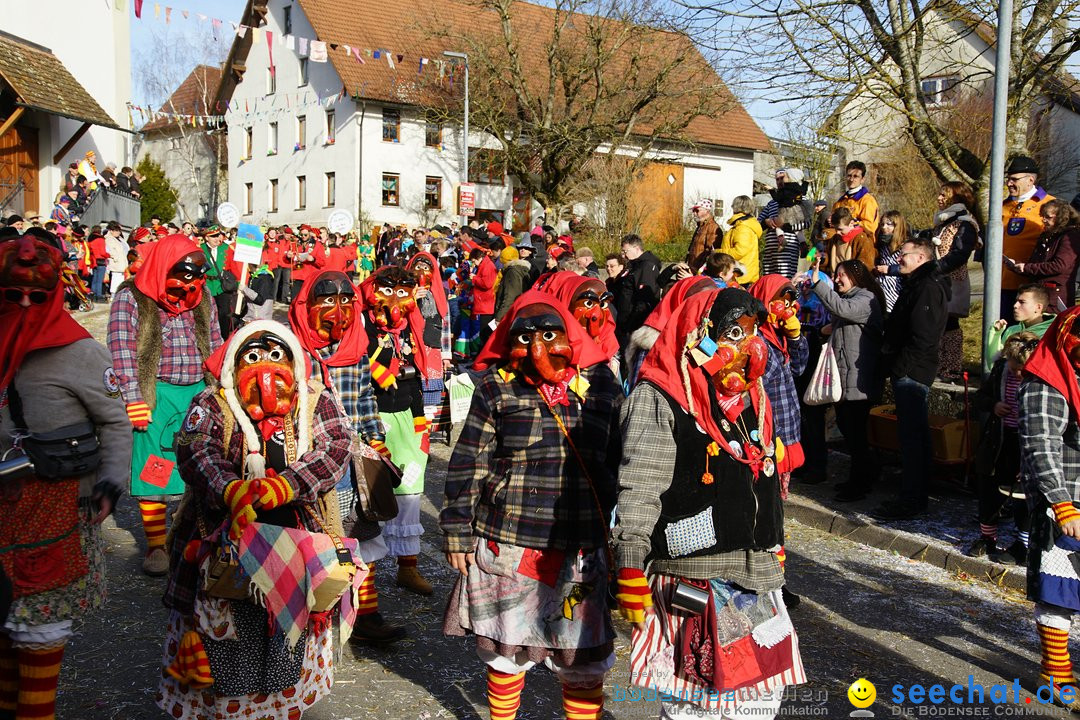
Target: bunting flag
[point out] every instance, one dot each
(157, 11)
(358, 56)
(318, 51)
(303, 45)
(270, 52)
(290, 42)
(138, 9)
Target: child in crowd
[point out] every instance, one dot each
(365, 258)
(789, 197)
(997, 460)
(722, 268)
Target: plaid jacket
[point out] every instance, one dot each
(779, 385)
(514, 478)
(648, 460)
(181, 363)
(351, 385)
(207, 466)
(1049, 444)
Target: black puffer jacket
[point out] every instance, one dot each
(914, 328)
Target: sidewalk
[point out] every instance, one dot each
(940, 537)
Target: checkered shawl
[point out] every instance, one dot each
(285, 567)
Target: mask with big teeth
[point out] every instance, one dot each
(743, 354)
(539, 347)
(331, 306)
(392, 298)
(186, 281)
(590, 307)
(264, 377)
(783, 305)
(29, 268)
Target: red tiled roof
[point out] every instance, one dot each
(195, 96)
(395, 26)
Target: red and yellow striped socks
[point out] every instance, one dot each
(367, 596)
(9, 677)
(583, 703)
(504, 694)
(1056, 665)
(39, 673)
(781, 555)
(153, 520)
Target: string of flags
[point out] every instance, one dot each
(240, 110)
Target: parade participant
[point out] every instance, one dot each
(1049, 403)
(645, 336)
(588, 301)
(162, 326)
(50, 543)
(365, 258)
(432, 305)
(309, 257)
(699, 506)
(529, 492)
(221, 276)
(262, 443)
(397, 364)
(325, 318)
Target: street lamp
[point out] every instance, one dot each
(465, 125)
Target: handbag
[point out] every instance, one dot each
(68, 452)
(825, 386)
(375, 476)
(224, 578)
(339, 576)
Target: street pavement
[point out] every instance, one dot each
(865, 613)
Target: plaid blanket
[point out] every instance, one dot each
(285, 567)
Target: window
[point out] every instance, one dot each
(331, 130)
(301, 192)
(271, 139)
(301, 132)
(286, 22)
(271, 82)
(486, 166)
(391, 126)
(303, 72)
(433, 133)
(433, 193)
(939, 90)
(331, 189)
(273, 196)
(248, 138)
(248, 196)
(390, 185)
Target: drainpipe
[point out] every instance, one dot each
(360, 162)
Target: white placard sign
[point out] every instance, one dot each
(339, 221)
(228, 215)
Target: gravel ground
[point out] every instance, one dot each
(865, 613)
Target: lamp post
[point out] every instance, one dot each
(465, 125)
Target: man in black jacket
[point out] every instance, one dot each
(910, 353)
(637, 291)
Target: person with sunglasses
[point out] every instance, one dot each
(50, 510)
(1021, 214)
(162, 325)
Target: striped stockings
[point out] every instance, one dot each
(504, 694)
(1056, 665)
(153, 519)
(583, 703)
(39, 672)
(367, 596)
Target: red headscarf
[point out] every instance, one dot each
(23, 330)
(160, 259)
(663, 366)
(764, 290)
(676, 295)
(586, 351)
(437, 290)
(351, 347)
(564, 285)
(414, 319)
(1051, 363)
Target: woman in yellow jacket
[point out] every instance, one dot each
(742, 240)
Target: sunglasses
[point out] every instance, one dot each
(36, 297)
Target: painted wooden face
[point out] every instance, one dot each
(186, 280)
(29, 270)
(423, 272)
(783, 305)
(590, 307)
(264, 377)
(393, 299)
(332, 306)
(539, 347)
(740, 357)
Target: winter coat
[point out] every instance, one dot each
(741, 243)
(706, 237)
(857, 323)
(515, 280)
(638, 290)
(1053, 264)
(989, 394)
(861, 248)
(916, 324)
(955, 235)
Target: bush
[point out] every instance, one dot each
(158, 197)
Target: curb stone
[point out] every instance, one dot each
(916, 547)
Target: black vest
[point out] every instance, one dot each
(746, 514)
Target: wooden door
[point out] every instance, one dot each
(19, 161)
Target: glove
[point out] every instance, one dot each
(792, 327)
(380, 447)
(421, 425)
(240, 496)
(139, 414)
(1064, 512)
(634, 595)
(273, 492)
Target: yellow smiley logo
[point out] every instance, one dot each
(862, 693)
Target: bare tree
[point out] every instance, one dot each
(880, 52)
(553, 87)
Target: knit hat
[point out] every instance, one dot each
(795, 175)
(704, 203)
(508, 254)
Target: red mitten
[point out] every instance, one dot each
(139, 414)
(240, 496)
(634, 594)
(274, 492)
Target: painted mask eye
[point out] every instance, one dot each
(402, 293)
(277, 354)
(524, 338)
(734, 334)
(549, 335)
(388, 292)
(251, 357)
(588, 304)
(345, 300)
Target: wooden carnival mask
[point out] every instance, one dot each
(185, 281)
(29, 269)
(738, 355)
(539, 347)
(264, 377)
(423, 272)
(331, 306)
(783, 305)
(392, 297)
(590, 307)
